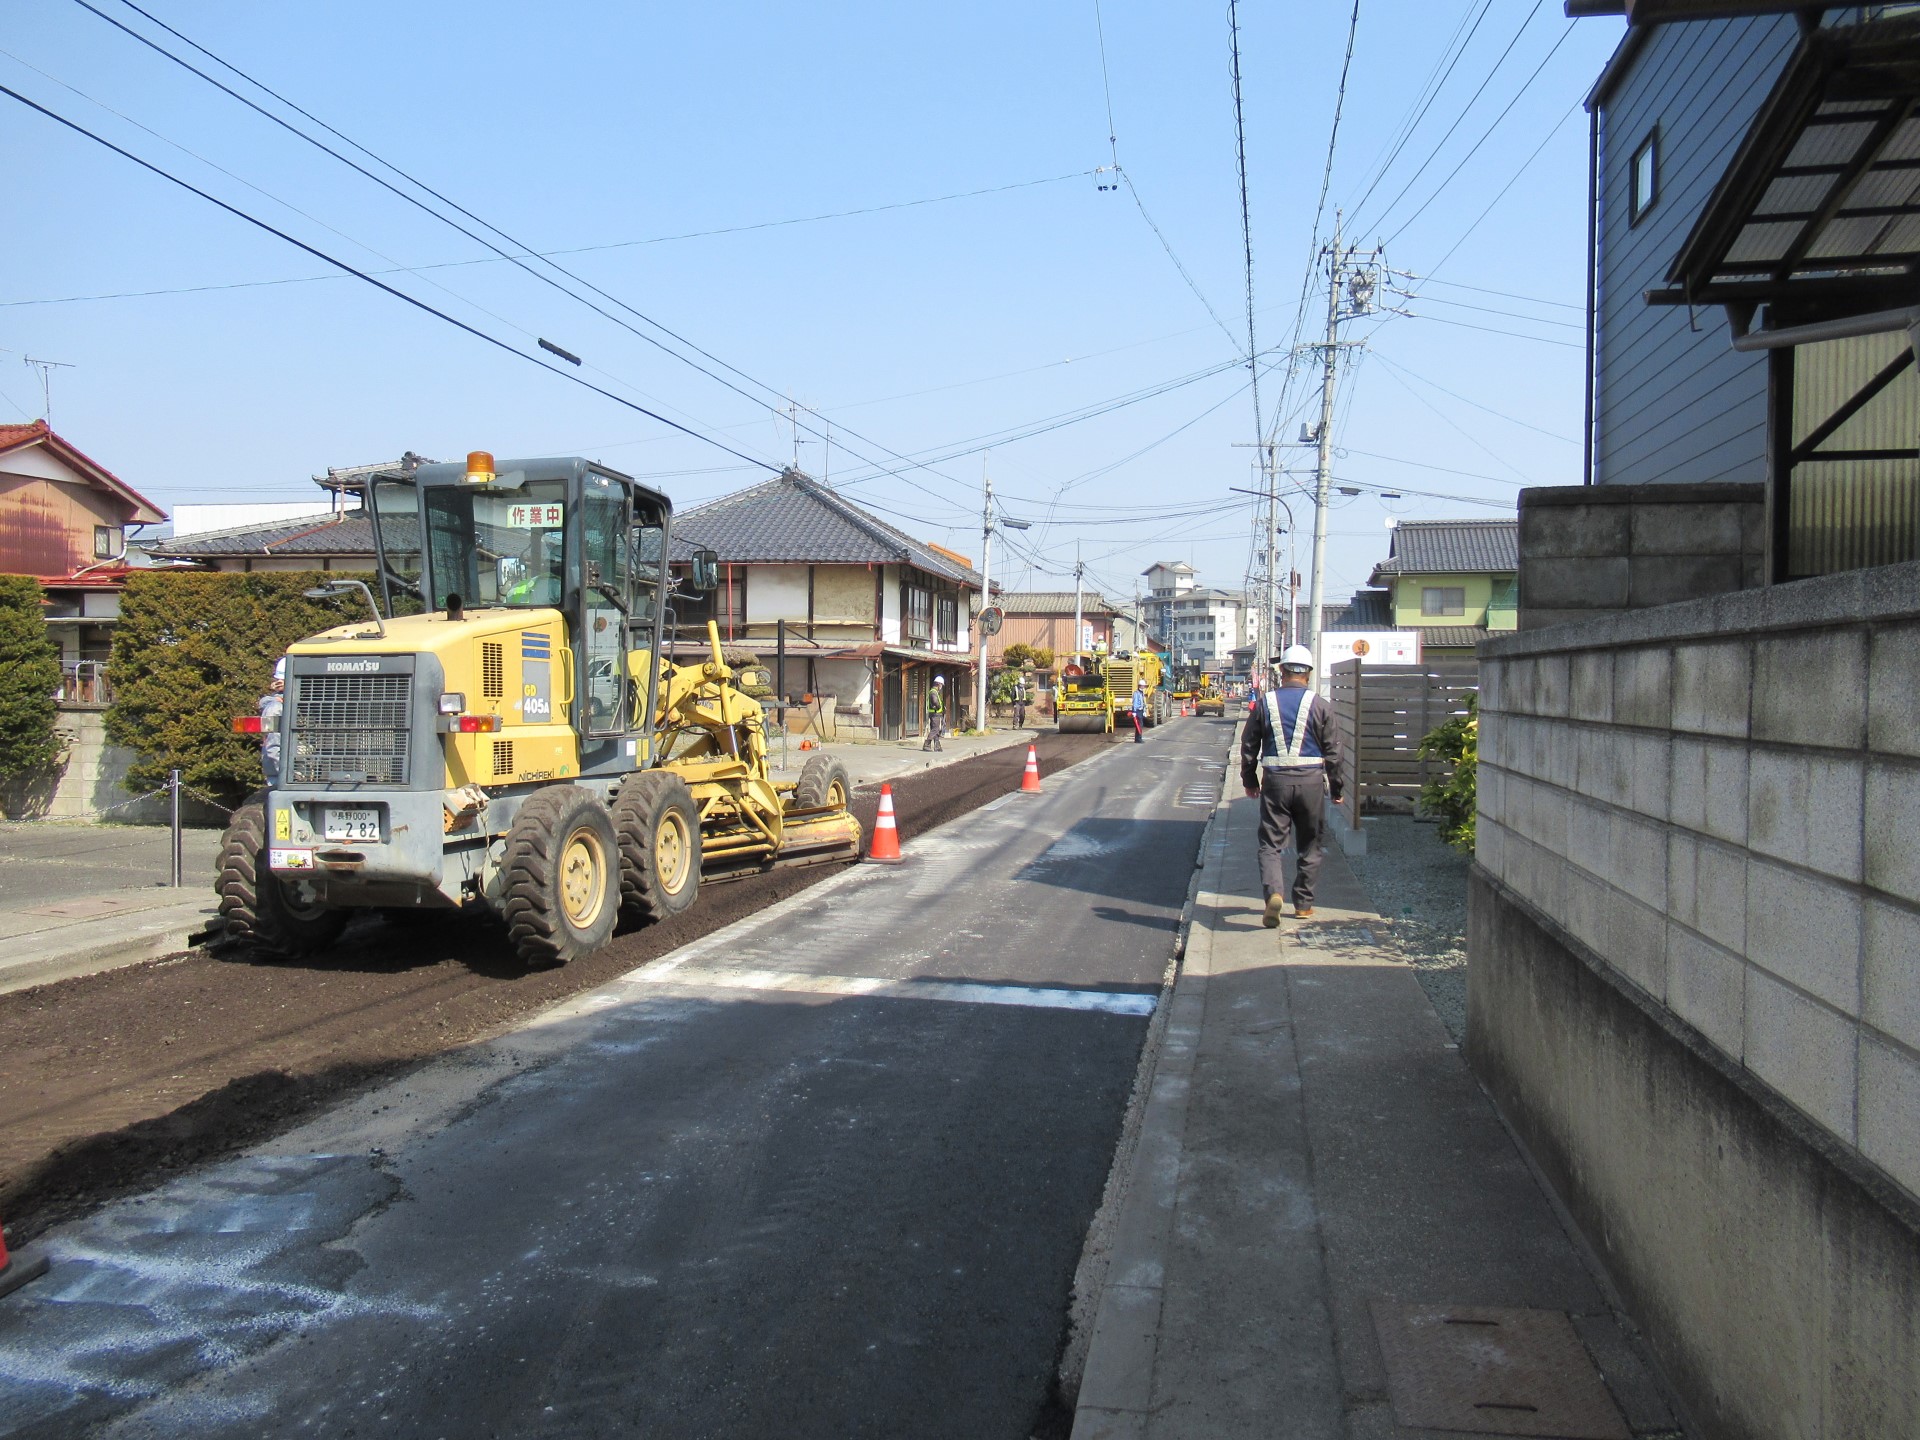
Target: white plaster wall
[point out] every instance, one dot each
(776, 592)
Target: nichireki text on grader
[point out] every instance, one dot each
(526, 742)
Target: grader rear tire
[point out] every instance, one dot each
(659, 829)
(258, 907)
(823, 782)
(561, 876)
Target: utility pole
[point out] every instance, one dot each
(986, 591)
(1078, 623)
(1323, 476)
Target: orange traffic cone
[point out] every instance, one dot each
(1030, 778)
(18, 1270)
(806, 744)
(886, 834)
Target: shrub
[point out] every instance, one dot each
(1022, 656)
(1455, 797)
(29, 676)
(193, 650)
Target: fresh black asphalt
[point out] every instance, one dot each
(827, 1173)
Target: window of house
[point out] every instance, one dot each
(726, 602)
(109, 542)
(1443, 600)
(947, 620)
(1646, 177)
(919, 614)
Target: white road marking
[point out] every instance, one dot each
(963, 992)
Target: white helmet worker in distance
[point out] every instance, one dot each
(1296, 657)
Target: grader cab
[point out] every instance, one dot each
(511, 730)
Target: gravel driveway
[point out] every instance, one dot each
(1419, 885)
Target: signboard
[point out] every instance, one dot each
(1374, 647)
(525, 516)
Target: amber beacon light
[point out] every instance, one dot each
(479, 467)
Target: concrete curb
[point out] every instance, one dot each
(110, 943)
(1142, 1194)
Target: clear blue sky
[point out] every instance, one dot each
(924, 328)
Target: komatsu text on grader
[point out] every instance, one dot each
(526, 742)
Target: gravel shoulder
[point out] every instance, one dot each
(1419, 885)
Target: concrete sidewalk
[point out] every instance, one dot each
(1324, 1229)
(868, 763)
(78, 897)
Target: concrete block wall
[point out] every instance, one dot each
(1589, 550)
(1694, 981)
(1721, 799)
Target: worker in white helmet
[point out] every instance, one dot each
(936, 713)
(1289, 760)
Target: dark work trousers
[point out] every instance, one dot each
(1292, 802)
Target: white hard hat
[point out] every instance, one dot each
(1296, 657)
(939, 679)
(280, 668)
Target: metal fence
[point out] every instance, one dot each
(1384, 711)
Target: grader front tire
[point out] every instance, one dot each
(257, 906)
(659, 829)
(823, 782)
(561, 876)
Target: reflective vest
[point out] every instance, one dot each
(1289, 746)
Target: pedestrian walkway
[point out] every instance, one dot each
(1324, 1229)
(78, 897)
(868, 763)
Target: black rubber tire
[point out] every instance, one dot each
(256, 906)
(646, 802)
(820, 779)
(535, 879)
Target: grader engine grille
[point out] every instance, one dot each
(351, 727)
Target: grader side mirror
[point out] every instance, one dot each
(706, 570)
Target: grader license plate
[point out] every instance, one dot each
(352, 825)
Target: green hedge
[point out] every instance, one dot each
(29, 676)
(193, 650)
(1455, 797)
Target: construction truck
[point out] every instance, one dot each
(1208, 698)
(526, 741)
(1140, 667)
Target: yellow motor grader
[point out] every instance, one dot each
(523, 741)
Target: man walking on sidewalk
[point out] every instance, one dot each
(936, 713)
(1289, 760)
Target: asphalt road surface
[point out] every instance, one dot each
(826, 1172)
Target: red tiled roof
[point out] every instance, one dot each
(20, 437)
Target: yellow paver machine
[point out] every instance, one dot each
(523, 742)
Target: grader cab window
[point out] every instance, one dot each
(504, 547)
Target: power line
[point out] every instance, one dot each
(1441, 188)
(1465, 110)
(1497, 414)
(482, 240)
(1502, 294)
(1490, 310)
(1443, 68)
(1113, 149)
(494, 259)
(1490, 330)
(418, 304)
(1512, 180)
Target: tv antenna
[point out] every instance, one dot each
(46, 369)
